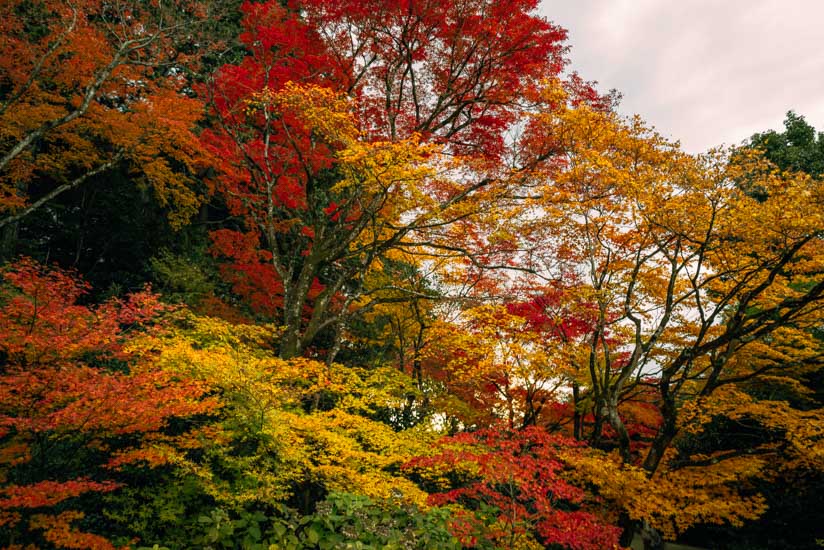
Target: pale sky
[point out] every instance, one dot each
(705, 72)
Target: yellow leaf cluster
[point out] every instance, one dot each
(674, 500)
(265, 400)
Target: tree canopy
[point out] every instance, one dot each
(388, 274)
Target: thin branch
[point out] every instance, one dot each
(61, 189)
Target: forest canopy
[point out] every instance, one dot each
(389, 274)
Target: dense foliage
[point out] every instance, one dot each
(386, 274)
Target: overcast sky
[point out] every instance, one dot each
(703, 71)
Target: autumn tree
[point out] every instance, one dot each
(89, 87)
(687, 275)
(688, 272)
(74, 408)
(491, 359)
(561, 318)
(769, 420)
(515, 490)
(346, 136)
(289, 433)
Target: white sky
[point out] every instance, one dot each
(705, 72)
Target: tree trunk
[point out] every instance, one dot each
(577, 417)
(290, 342)
(617, 424)
(8, 242)
(662, 440)
(597, 428)
(651, 537)
(336, 344)
(628, 527)
(294, 298)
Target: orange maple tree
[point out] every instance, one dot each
(66, 383)
(87, 86)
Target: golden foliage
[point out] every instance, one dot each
(265, 403)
